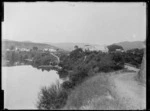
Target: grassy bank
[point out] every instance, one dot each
(53, 97)
(93, 93)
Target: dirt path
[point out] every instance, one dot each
(128, 91)
(56, 57)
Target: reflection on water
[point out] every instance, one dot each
(21, 85)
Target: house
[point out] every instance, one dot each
(52, 50)
(102, 48)
(24, 49)
(88, 47)
(46, 49)
(119, 50)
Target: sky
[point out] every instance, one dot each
(77, 22)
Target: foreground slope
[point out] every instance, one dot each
(116, 90)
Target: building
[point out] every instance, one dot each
(24, 49)
(88, 47)
(102, 48)
(52, 50)
(119, 50)
(46, 49)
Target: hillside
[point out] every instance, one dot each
(131, 45)
(26, 44)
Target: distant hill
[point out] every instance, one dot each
(26, 44)
(68, 46)
(131, 45)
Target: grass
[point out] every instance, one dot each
(97, 87)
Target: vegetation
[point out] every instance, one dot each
(53, 97)
(36, 57)
(114, 47)
(91, 93)
(134, 57)
(43, 59)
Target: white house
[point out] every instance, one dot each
(25, 49)
(88, 47)
(119, 50)
(52, 50)
(102, 48)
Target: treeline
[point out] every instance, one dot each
(34, 57)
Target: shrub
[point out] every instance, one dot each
(67, 85)
(106, 64)
(53, 97)
(113, 47)
(78, 75)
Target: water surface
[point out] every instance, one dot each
(22, 84)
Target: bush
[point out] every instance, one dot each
(67, 85)
(53, 97)
(113, 47)
(78, 75)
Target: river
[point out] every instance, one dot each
(22, 84)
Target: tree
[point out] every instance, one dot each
(113, 47)
(76, 47)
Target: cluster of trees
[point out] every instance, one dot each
(13, 57)
(38, 57)
(43, 59)
(81, 64)
(134, 57)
